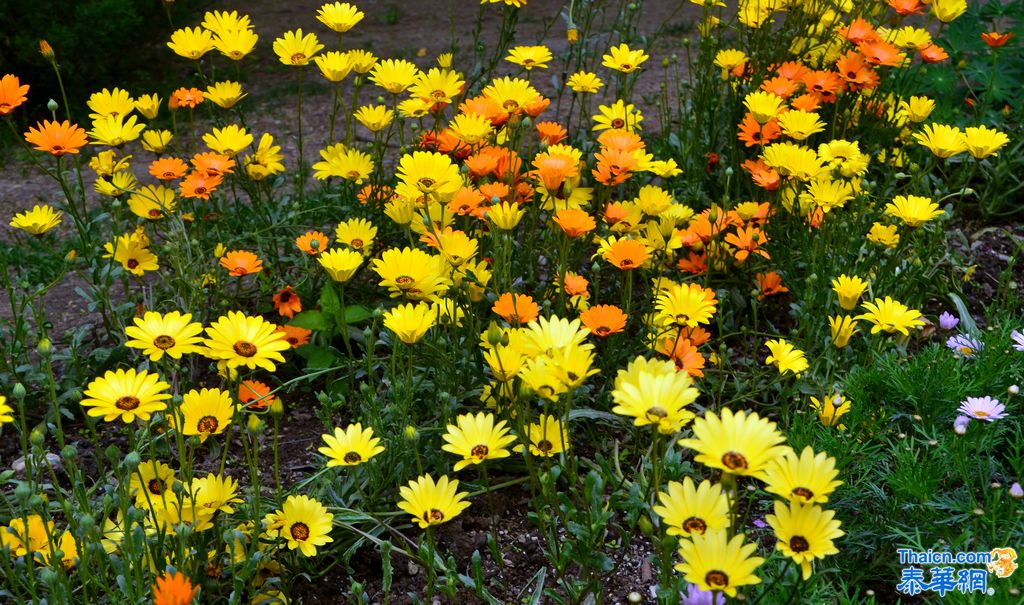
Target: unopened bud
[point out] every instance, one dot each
(1016, 492)
(52, 106)
(18, 391)
(44, 347)
(46, 50)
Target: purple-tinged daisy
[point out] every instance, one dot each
(960, 424)
(983, 408)
(1018, 340)
(948, 321)
(695, 596)
(965, 345)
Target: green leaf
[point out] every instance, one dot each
(357, 313)
(965, 316)
(317, 357)
(329, 302)
(311, 320)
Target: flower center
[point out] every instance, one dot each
(286, 296)
(299, 531)
(200, 190)
(603, 331)
(657, 412)
(163, 342)
(403, 280)
(57, 149)
(980, 414)
(626, 262)
(803, 492)
(127, 403)
(155, 487)
(618, 123)
(207, 424)
(353, 458)
(434, 516)
(716, 578)
(357, 243)
(695, 525)
(798, 544)
(438, 95)
(734, 461)
(132, 263)
(545, 446)
(479, 451)
(426, 182)
(154, 213)
(298, 58)
(245, 349)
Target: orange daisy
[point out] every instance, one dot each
(517, 308)
(575, 284)
(241, 263)
(807, 102)
(906, 7)
(747, 241)
(295, 336)
(614, 166)
(859, 32)
(168, 169)
(482, 163)
(56, 138)
(255, 395)
(824, 85)
(551, 133)
(494, 191)
(174, 589)
(780, 86)
(933, 53)
(752, 132)
(627, 254)
(792, 70)
(574, 222)
(603, 320)
(879, 52)
(685, 355)
(553, 170)
(186, 97)
(993, 39)
(287, 302)
(620, 139)
(858, 75)
(466, 201)
(12, 94)
(769, 284)
(764, 176)
(200, 185)
(695, 263)
(212, 163)
(485, 107)
(312, 242)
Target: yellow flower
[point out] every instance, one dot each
(513, 94)
(763, 105)
(303, 523)
(428, 173)
(805, 532)
(584, 82)
(831, 409)
(38, 220)
(685, 305)
(225, 94)
(115, 102)
(115, 131)
(547, 437)
(394, 75)
(438, 85)
(157, 335)
(849, 289)
(622, 59)
(918, 108)
(148, 105)
(786, 357)
(26, 535)
(339, 16)
(340, 264)
(374, 117)
(842, 328)
(913, 210)
(505, 216)
(655, 393)
(357, 234)
(942, 140)
(471, 129)
(505, 362)
(229, 140)
(132, 251)
(890, 316)
(120, 183)
(349, 164)
(361, 60)
(126, 395)
(983, 141)
(793, 160)
(715, 562)
(432, 503)
(884, 235)
(808, 478)
(689, 510)
(241, 340)
(292, 48)
(6, 411)
(618, 116)
(477, 438)
(798, 124)
(235, 44)
(530, 56)
(410, 322)
(948, 10)
(204, 413)
(266, 161)
(191, 42)
(740, 443)
(350, 447)
(156, 141)
(334, 65)
(150, 483)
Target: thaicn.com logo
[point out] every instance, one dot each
(942, 572)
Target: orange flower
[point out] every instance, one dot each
(482, 163)
(553, 170)
(754, 133)
(764, 176)
(620, 139)
(212, 163)
(695, 334)
(485, 107)
(287, 302)
(695, 263)
(747, 241)
(465, 201)
(792, 70)
(684, 353)
(200, 185)
(12, 94)
(168, 169)
(614, 166)
(856, 72)
(859, 32)
(906, 7)
(56, 138)
(551, 133)
(824, 85)
(312, 242)
(933, 53)
(574, 222)
(779, 86)
(492, 191)
(241, 263)
(378, 194)
(516, 309)
(174, 589)
(255, 395)
(879, 52)
(186, 97)
(295, 336)
(993, 39)
(603, 320)
(627, 254)
(575, 284)
(537, 106)
(806, 102)
(770, 283)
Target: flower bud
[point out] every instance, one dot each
(411, 434)
(18, 391)
(47, 51)
(52, 105)
(1016, 492)
(1013, 389)
(132, 461)
(44, 347)
(36, 437)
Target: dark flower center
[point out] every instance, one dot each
(245, 349)
(479, 451)
(132, 263)
(734, 461)
(155, 487)
(803, 492)
(127, 403)
(657, 412)
(545, 446)
(163, 342)
(434, 516)
(298, 57)
(716, 578)
(353, 458)
(207, 424)
(403, 280)
(798, 544)
(299, 531)
(603, 331)
(695, 525)
(286, 296)
(618, 123)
